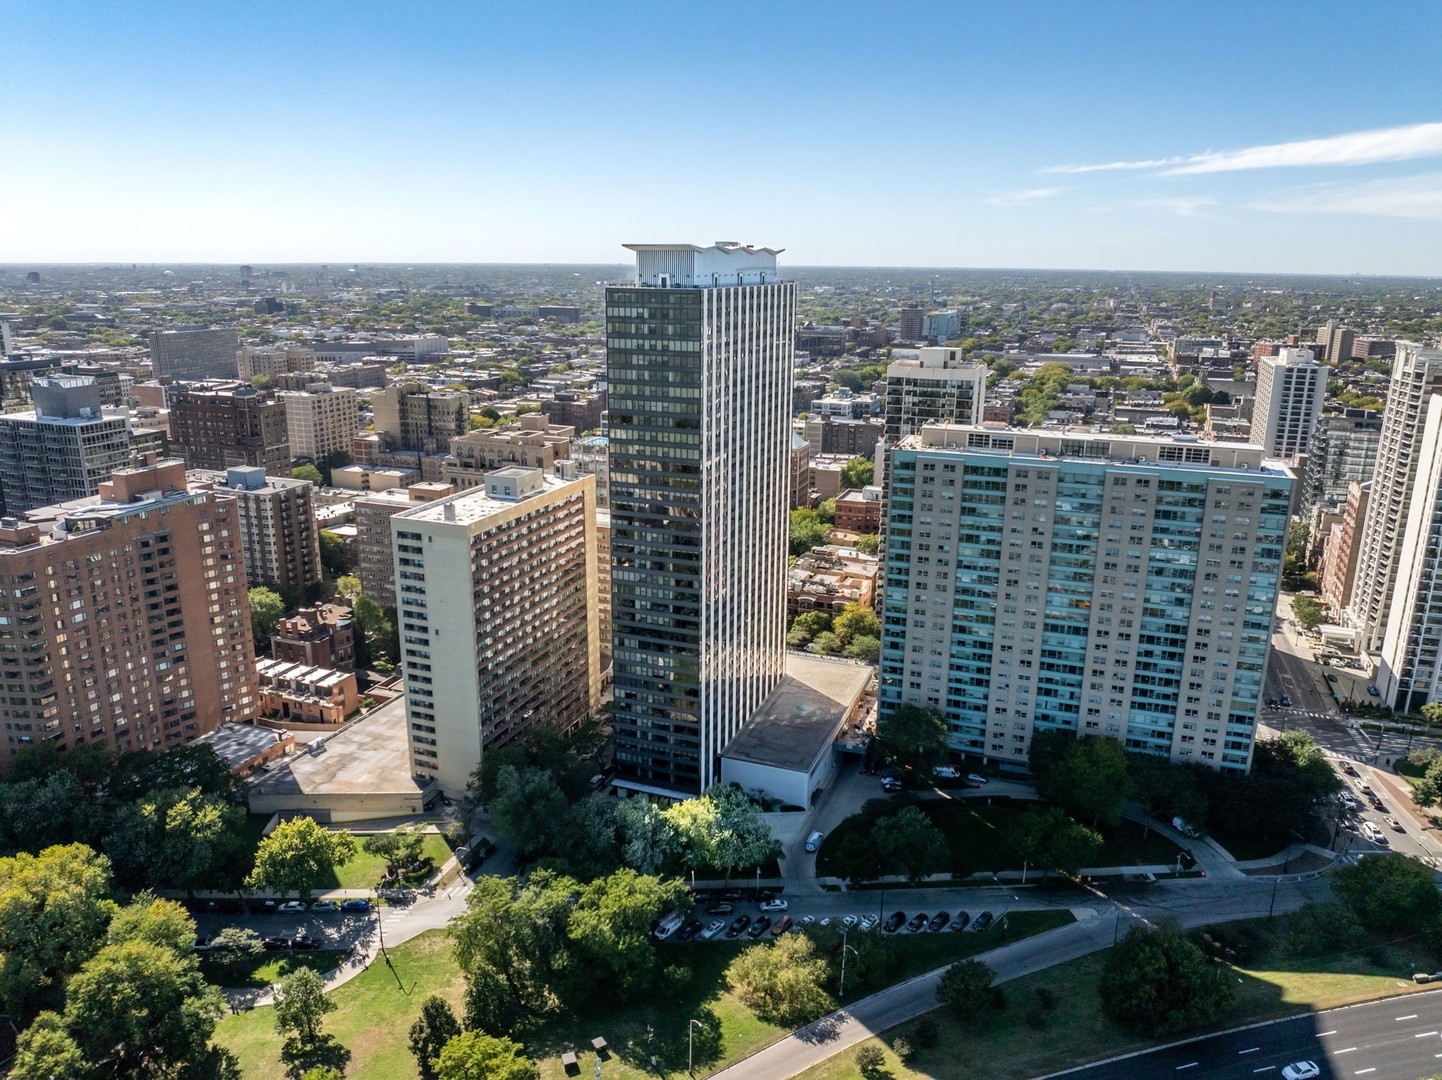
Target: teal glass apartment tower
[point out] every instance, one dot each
(1100, 584)
(699, 368)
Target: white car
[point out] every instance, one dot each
(292, 906)
(1372, 833)
(326, 905)
(713, 929)
(975, 779)
(1301, 1070)
(775, 905)
(848, 922)
(825, 921)
(867, 923)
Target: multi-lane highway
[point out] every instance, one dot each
(1398, 1038)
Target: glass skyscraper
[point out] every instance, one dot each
(1105, 585)
(699, 367)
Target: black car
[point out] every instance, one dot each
(262, 907)
(701, 896)
(894, 922)
(939, 921)
(982, 921)
(959, 923)
(687, 932)
(301, 941)
(731, 895)
(760, 926)
(272, 944)
(918, 922)
(720, 909)
(741, 923)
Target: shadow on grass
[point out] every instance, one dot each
(298, 1056)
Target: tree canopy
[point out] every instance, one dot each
(914, 736)
(1087, 776)
(298, 856)
(783, 982)
(266, 609)
(1157, 982)
(1389, 891)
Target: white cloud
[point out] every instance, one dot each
(1181, 205)
(1417, 198)
(1022, 198)
(1355, 148)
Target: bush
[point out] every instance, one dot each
(901, 1047)
(965, 986)
(870, 1060)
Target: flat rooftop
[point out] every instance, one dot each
(368, 757)
(799, 721)
(476, 504)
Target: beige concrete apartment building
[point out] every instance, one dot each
(373, 513)
(320, 420)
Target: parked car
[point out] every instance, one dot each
(202, 943)
(690, 930)
(782, 925)
(359, 904)
(805, 921)
(975, 779)
(325, 905)
(263, 907)
(1372, 691)
(946, 772)
(939, 921)
(701, 896)
(273, 944)
(774, 905)
(825, 921)
(712, 929)
(303, 941)
(982, 921)
(918, 922)
(730, 895)
(1395, 825)
(848, 922)
(960, 922)
(891, 786)
(813, 841)
(867, 923)
(760, 926)
(894, 922)
(721, 909)
(741, 923)
(291, 907)
(1301, 1070)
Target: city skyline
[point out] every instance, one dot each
(1107, 137)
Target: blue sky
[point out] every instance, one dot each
(1238, 136)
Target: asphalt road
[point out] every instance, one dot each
(1396, 1039)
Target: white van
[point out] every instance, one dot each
(668, 925)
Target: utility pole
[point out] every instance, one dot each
(691, 1045)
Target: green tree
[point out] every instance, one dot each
(647, 839)
(301, 1006)
(266, 609)
(1087, 776)
(171, 838)
(909, 844)
(298, 856)
(1310, 614)
(307, 472)
(473, 1055)
(1390, 892)
(783, 982)
(869, 544)
(827, 511)
(807, 531)
(377, 631)
(45, 1051)
(859, 472)
(1051, 840)
(611, 926)
(965, 987)
(1164, 789)
(155, 920)
(53, 913)
(723, 829)
(527, 809)
(1157, 982)
(334, 556)
(1428, 790)
(141, 772)
(914, 736)
(399, 847)
(870, 1061)
(436, 1026)
(232, 951)
(865, 649)
(142, 1009)
(856, 620)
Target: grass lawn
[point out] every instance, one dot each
(1004, 1044)
(979, 833)
(364, 871)
(270, 967)
(374, 1014)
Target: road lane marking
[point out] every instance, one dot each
(1321, 1033)
(1253, 1050)
(1412, 1017)
(1264, 1068)
(1346, 1051)
(1423, 1034)
(1191, 1065)
(1359, 1072)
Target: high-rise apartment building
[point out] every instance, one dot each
(272, 360)
(279, 538)
(194, 354)
(1097, 584)
(939, 387)
(497, 616)
(1416, 377)
(533, 443)
(700, 353)
(1342, 452)
(1338, 568)
(320, 420)
(1291, 387)
(220, 424)
(592, 454)
(63, 449)
(911, 325)
(412, 417)
(1336, 341)
(125, 621)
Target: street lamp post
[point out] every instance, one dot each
(1272, 909)
(691, 1047)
